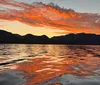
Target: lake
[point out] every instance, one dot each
(34, 64)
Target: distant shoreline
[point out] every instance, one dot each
(53, 44)
(70, 39)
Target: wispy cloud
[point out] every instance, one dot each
(39, 14)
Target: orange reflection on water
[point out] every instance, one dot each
(55, 60)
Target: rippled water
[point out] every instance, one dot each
(28, 64)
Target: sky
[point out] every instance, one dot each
(23, 17)
(84, 6)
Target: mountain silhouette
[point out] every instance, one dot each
(80, 39)
(77, 39)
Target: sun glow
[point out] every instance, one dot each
(22, 29)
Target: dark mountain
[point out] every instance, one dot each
(79, 39)
(29, 38)
(7, 37)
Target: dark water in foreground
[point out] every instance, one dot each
(27, 64)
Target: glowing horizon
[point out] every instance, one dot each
(23, 29)
(42, 19)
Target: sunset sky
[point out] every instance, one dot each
(28, 16)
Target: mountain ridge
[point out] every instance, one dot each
(77, 39)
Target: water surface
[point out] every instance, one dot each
(39, 64)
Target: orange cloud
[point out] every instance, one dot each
(39, 14)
